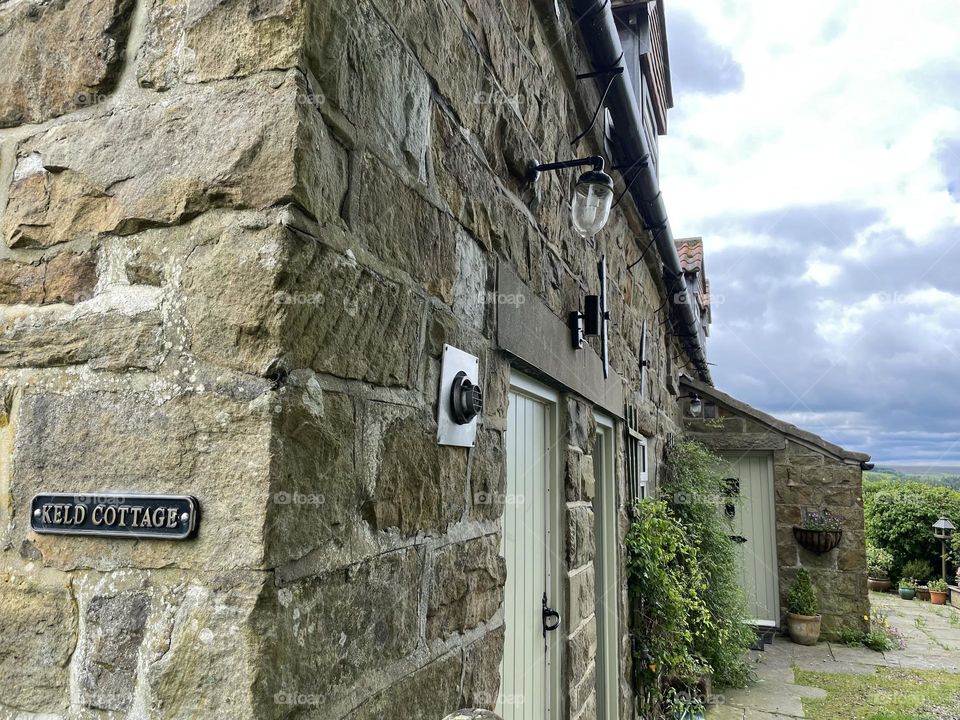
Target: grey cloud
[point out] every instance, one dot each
(894, 380)
(697, 64)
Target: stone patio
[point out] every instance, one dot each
(933, 642)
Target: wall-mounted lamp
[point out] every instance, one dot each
(592, 195)
(696, 404)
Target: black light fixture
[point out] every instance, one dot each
(592, 195)
(696, 404)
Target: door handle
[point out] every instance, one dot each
(549, 614)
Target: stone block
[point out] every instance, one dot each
(365, 72)
(488, 476)
(573, 474)
(117, 330)
(68, 278)
(431, 692)
(59, 56)
(315, 489)
(81, 179)
(330, 632)
(234, 304)
(580, 596)
(481, 671)
(580, 545)
(196, 42)
(363, 326)
(581, 426)
(113, 631)
(467, 587)
(208, 444)
(417, 485)
(38, 634)
(204, 646)
(405, 231)
(580, 652)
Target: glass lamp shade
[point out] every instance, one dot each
(592, 198)
(696, 407)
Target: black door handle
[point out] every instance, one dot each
(549, 614)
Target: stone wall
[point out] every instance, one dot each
(236, 238)
(809, 473)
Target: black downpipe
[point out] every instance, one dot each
(598, 27)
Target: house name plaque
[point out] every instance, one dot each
(163, 517)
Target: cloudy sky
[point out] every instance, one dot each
(816, 148)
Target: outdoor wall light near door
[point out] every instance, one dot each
(592, 195)
(696, 404)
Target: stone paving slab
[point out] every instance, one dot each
(931, 643)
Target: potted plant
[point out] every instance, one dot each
(918, 571)
(908, 588)
(938, 591)
(818, 532)
(879, 563)
(803, 618)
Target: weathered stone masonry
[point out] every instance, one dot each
(236, 237)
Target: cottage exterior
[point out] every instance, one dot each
(239, 241)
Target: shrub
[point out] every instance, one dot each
(907, 584)
(918, 570)
(899, 517)
(879, 562)
(938, 585)
(666, 588)
(692, 486)
(802, 599)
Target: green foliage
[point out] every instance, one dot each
(802, 599)
(687, 607)
(879, 562)
(666, 589)
(938, 585)
(907, 584)
(899, 517)
(692, 487)
(919, 570)
(881, 637)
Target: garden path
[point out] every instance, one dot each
(931, 642)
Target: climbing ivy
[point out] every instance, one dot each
(688, 610)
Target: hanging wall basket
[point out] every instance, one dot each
(817, 541)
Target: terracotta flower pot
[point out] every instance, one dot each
(804, 629)
(817, 541)
(878, 584)
(938, 598)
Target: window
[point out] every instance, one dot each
(636, 457)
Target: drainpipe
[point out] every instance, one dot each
(598, 27)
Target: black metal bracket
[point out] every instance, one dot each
(549, 614)
(535, 168)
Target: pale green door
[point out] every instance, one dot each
(529, 654)
(754, 529)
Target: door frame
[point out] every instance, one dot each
(525, 385)
(606, 518)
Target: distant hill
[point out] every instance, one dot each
(946, 475)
